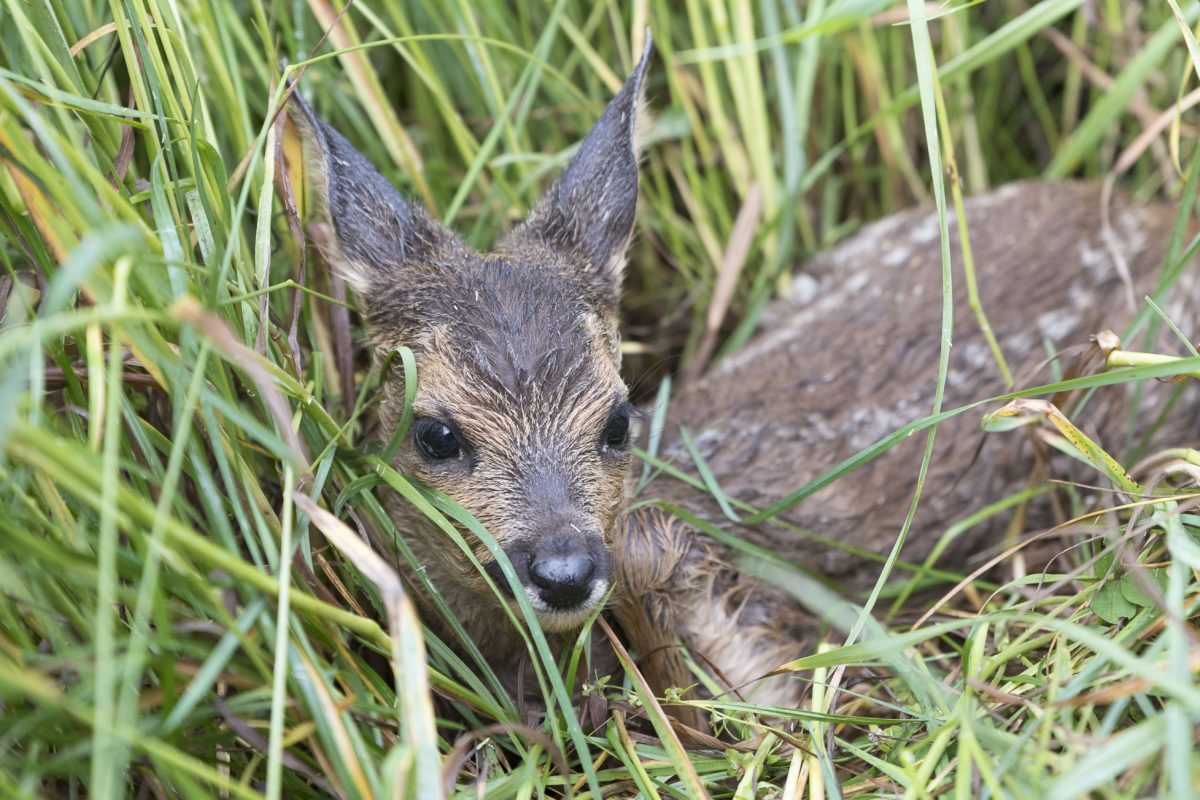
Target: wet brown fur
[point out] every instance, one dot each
(518, 351)
(853, 359)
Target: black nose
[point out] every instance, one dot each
(563, 581)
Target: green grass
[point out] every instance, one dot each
(178, 388)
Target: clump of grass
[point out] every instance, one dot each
(181, 394)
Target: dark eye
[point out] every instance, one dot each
(616, 435)
(435, 439)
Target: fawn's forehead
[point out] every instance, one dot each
(488, 332)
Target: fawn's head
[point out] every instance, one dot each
(520, 413)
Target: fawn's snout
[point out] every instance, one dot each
(564, 569)
(563, 578)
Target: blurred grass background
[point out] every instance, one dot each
(173, 371)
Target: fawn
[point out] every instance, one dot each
(521, 414)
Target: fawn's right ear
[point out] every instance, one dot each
(365, 229)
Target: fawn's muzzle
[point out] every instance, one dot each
(563, 576)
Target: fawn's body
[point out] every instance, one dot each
(521, 416)
(854, 359)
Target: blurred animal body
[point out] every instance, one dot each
(521, 415)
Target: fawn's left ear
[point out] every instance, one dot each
(587, 216)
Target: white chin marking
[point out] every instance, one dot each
(559, 620)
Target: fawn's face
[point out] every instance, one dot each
(520, 413)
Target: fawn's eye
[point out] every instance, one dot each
(616, 434)
(435, 439)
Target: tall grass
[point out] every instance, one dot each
(182, 395)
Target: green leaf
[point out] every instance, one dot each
(1110, 604)
(1133, 592)
(1104, 564)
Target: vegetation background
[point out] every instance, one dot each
(181, 394)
